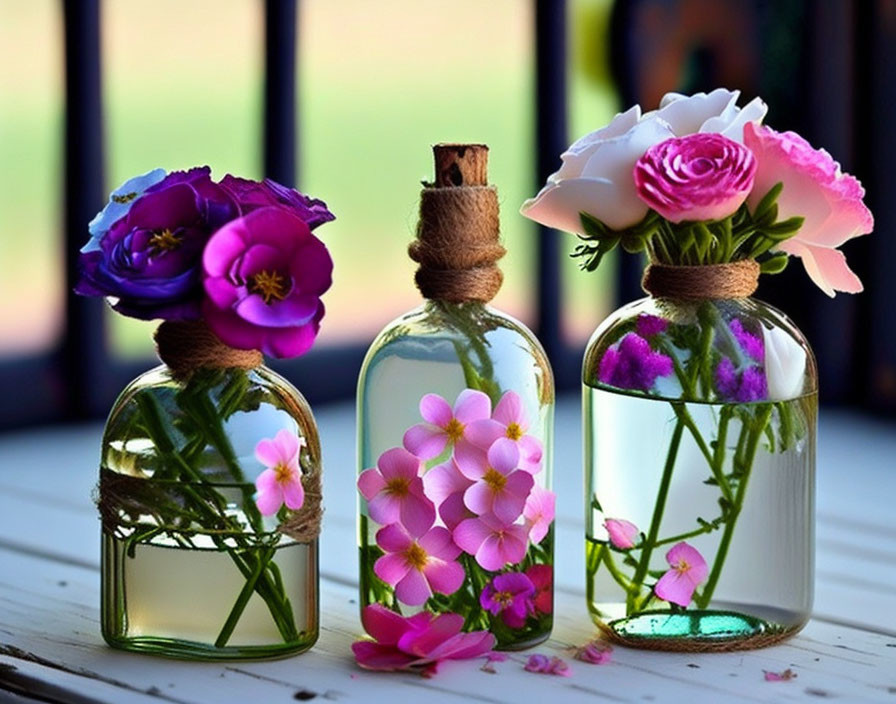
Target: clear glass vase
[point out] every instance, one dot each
(190, 566)
(448, 381)
(700, 429)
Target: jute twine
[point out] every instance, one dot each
(684, 645)
(187, 345)
(457, 245)
(737, 279)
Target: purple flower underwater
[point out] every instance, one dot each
(649, 325)
(511, 596)
(743, 387)
(751, 344)
(631, 364)
(251, 195)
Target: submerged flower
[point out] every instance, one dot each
(688, 569)
(445, 426)
(417, 643)
(418, 564)
(785, 364)
(649, 325)
(542, 578)
(631, 364)
(744, 386)
(493, 543)
(815, 189)
(281, 482)
(751, 344)
(510, 595)
(445, 485)
(264, 276)
(622, 533)
(120, 202)
(539, 512)
(509, 420)
(595, 653)
(498, 486)
(394, 491)
(545, 665)
(251, 195)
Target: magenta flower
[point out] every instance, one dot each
(446, 485)
(418, 565)
(264, 276)
(688, 569)
(743, 387)
(510, 595)
(445, 426)
(816, 189)
(509, 420)
(542, 578)
(498, 486)
(281, 482)
(784, 676)
(544, 665)
(703, 176)
(650, 325)
(631, 364)
(418, 643)
(539, 513)
(751, 344)
(623, 534)
(493, 543)
(595, 653)
(251, 195)
(394, 491)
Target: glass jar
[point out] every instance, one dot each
(190, 566)
(700, 429)
(455, 412)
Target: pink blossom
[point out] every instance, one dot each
(595, 653)
(418, 643)
(395, 492)
(688, 569)
(445, 486)
(623, 534)
(510, 595)
(539, 513)
(544, 665)
(445, 426)
(418, 565)
(498, 486)
(816, 189)
(281, 482)
(509, 420)
(542, 578)
(702, 176)
(493, 543)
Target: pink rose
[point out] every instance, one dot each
(816, 189)
(703, 176)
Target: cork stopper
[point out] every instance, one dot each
(460, 165)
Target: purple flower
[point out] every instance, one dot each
(510, 595)
(749, 343)
(544, 665)
(743, 387)
(251, 195)
(148, 261)
(631, 364)
(264, 276)
(650, 325)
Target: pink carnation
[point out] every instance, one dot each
(702, 176)
(815, 189)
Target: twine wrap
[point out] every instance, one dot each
(187, 345)
(737, 279)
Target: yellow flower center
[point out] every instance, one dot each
(283, 473)
(269, 284)
(505, 599)
(514, 431)
(494, 479)
(164, 241)
(398, 486)
(455, 429)
(416, 557)
(124, 197)
(681, 566)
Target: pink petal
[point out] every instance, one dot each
(439, 543)
(826, 267)
(373, 656)
(267, 452)
(491, 554)
(507, 507)
(293, 310)
(441, 482)
(425, 441)
(398, 463)
(510, 410)
(479, 498)
(622, 533)
(675, 588)
(417, 513)
(370, 483)
(383, 624)
(513, 546)
(436, 410)
(470, 534)
(289, 444)
(470, 460)
(530, 453)
(483, 433)
(293, 494)
(467, 645)
(472, 405)
(384, 508)
(504, 455)
(392, 568)
(689, 554)
(393, 538)
(412, 589)
(453, 510)
(269, 502)
(444, 577)
(425, 642)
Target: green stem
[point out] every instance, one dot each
(242, 599)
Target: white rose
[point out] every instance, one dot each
(596, 171)
(785, 364)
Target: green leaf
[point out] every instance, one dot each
(774, 264)
(703, 237)
(785, 229)
(769, 201)
(594, 228)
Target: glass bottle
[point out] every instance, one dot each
(700, 428)
(190, 566)
(455, 410)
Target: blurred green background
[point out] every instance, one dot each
(379, 82)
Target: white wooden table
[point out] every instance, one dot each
(51, 649)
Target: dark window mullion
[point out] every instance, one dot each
(280, 90)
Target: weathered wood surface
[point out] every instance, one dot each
(51, 650)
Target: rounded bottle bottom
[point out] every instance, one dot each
(192, 650)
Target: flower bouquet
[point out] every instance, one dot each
(700, 402)
(209, 491)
